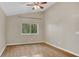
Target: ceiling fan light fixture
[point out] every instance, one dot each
(36, 7)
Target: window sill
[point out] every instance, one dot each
(29, 34)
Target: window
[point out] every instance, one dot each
(29, 29)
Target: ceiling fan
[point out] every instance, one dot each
(36, 5)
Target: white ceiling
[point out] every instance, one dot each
(14, 8)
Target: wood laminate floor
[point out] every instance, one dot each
(34, 50)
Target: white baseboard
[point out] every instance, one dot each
(3, 50)
(23, 43)
(62, 49)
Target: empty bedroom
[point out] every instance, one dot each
(39, 29)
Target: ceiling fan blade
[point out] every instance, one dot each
(41, 7)
(29, 4)
(43, 2)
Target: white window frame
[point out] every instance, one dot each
(30, 29)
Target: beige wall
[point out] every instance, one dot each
(2, 32)
(14, 28)
(61, 24)
(61, 27)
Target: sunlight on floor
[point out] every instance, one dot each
(38, 55)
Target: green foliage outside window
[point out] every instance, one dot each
(29, 28)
